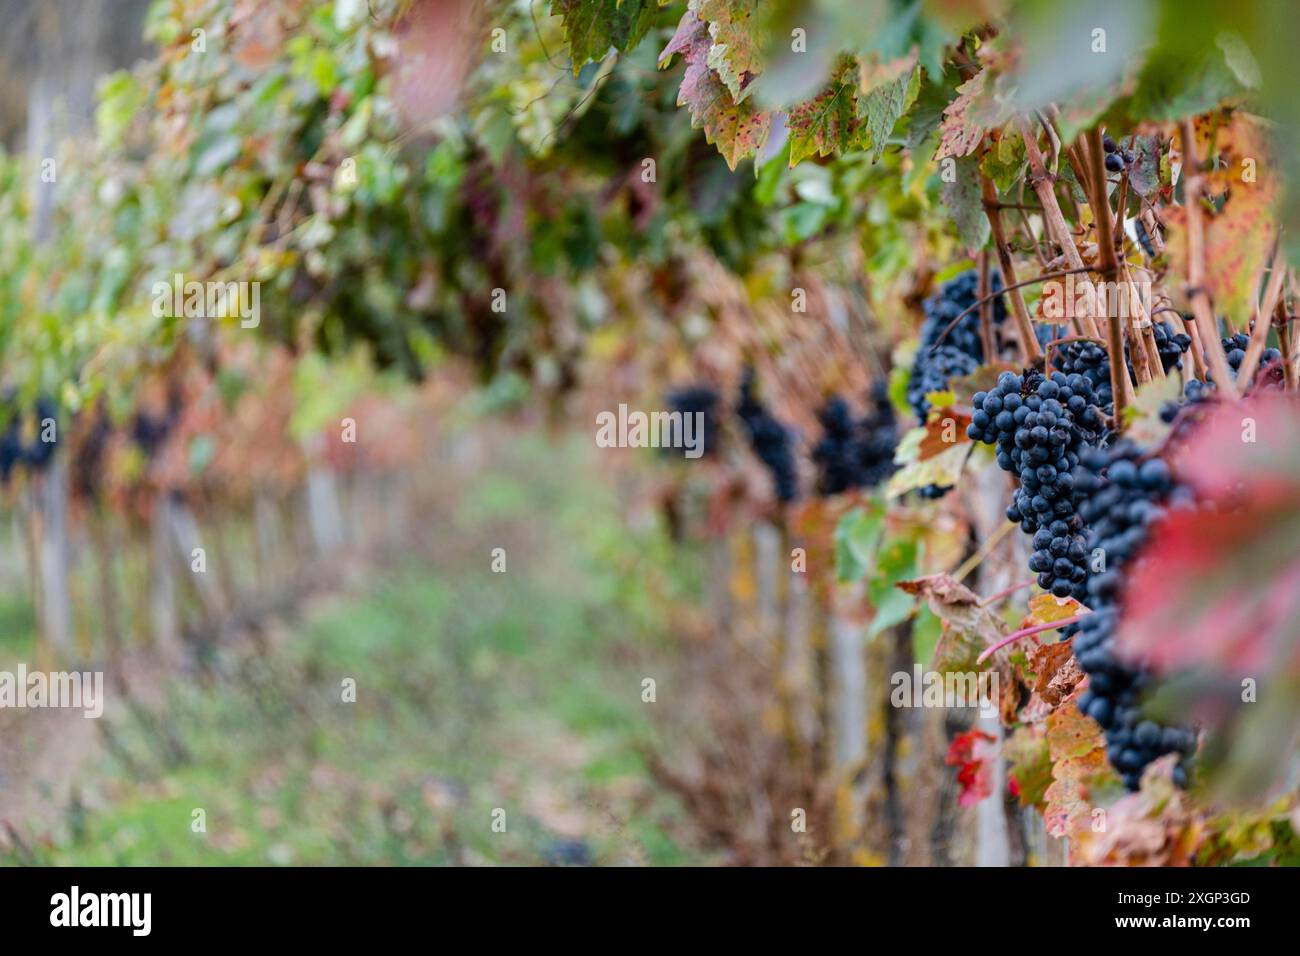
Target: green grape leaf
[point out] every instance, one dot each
(594, 27)
(736, 53)
(965, 202)
(826, 123)
(882, 108)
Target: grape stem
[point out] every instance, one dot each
(1036, 629)
(1263, 319)
(1044, 184)
(1028, 342)
(1193, 182)
(971, 563)
(1120, 386)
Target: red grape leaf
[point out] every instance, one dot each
(1056, 672)
(973, 754)
(1219, 586)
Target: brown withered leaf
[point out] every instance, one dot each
(1079, 770)
(1056, 672)
(1157, 826)
(945, 428)
(968, 626)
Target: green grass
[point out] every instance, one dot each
(475, 691)
(17, 627)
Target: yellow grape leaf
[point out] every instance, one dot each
(1045, 608)
(1239, 235)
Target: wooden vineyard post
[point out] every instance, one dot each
(848, 682)
(324, 515)
(162, 575)
(719, 582)
(186, 538)
(266, 522)
(51, 500)
(796, 622)
(100, 520)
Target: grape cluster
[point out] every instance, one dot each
(1196, 391)
(1116, 157)
(1039, 426)
(879, 439)
(953, 298)
(770, 440)
(695, 400)
(1144, 238)
(835, 454)
(1093, 361)
(855, 454)
(1170, 345)
(1235, 346)
(35, 454)
(961, 351)
(1122, 493)
(150, 431)
(932, 372)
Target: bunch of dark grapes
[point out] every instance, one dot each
(1196, 391)
(35, 454)
(11, 448)
(879, 439)
(691, 400)
(150, 431)
(855, 454)
(1116, 157)
(961, 350)
(770, 440)
(1039, 426)
(1170, 345)
(1122, 494)
(932, 372)
(953, 298)
(1093, 361)
(836, 453)
(1144, 238)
